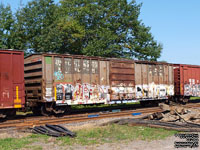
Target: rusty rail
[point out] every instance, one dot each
(79, 118)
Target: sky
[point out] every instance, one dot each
(174, 23)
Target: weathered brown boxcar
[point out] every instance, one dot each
(187, 81)
(54, 81)
(12, 95)
(153, 80)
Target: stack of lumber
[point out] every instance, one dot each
(176, 114)
(171, 118)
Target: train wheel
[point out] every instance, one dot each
(68, 110)
(143, 103)
(61, 110)
(36, 111)
(44, 112)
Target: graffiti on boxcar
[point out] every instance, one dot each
(123, 92)
(192, 90)
(154, 91)
(5, 93)
(82, 93)
(58, 75)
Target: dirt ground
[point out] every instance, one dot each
(167, 144)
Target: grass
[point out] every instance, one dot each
(116, 133)
(14, 143)
(97, 135)
(103, 105)
(194, 98)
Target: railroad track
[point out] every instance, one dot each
(24, 123)
(75, 118)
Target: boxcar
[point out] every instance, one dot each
(12, 95)
(154, 80)
(54, 81)
(187, 81)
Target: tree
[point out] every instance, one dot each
(112, 29)
(6, 27)
(40, 28)
(108, 28)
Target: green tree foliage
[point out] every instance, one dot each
(41, 28)
(112, 29)
(6, 27)
(108, 28)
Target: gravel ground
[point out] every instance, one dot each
(167, 144)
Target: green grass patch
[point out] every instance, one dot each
(98, 135)
(194, 98)
(115, 133)
(18, 143)
(103, 105)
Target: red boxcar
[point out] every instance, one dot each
(12, 95)
(187, 80)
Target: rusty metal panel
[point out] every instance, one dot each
(150, 73)
(151, 80)
(71, 79)
(94, 72)
(138, 74)
(122, 80)
(187, 80)
(161, 74)
(155, 74)
(11, 79)
(166, 74)
(77, 71)
(86, 71)
(171, 75)
(48, 78)
(103, 73)
(68, 76)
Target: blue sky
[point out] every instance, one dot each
(174, 23)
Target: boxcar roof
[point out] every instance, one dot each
(80, 56)
(11, 50)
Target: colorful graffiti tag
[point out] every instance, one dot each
(58, 75)
(81, 93)
(192, 90)
(154, 91)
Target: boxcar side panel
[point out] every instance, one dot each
(153, 80)
(11, 79)
(6, 80)
(122, 80)
(76, 80)
(190, 80)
